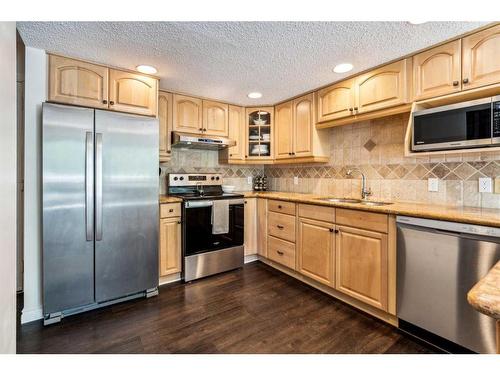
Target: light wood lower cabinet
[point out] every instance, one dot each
(262, 205)
(281, 251)
(361, 265)
(316, 250)
(250, 227)
(170, 246)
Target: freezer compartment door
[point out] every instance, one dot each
(126, 211)
(67, 204)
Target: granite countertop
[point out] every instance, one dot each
(485, 295)
(470, 215)
(169, 199)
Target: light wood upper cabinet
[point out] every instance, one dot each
(236, 124)
(361, 265)
(283, 130)
(303, 124)
(133, 93)
(384, 87)
(316, 250)
(336, 101)
(170, 246)
(77, 82)
(215, 118)
(437, 71)
(250, 228)
(187, 114)
(165, 123)
(480, 58)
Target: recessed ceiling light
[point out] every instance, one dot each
(254, 95)
(342, 68)
(146, 69)
(417, 22)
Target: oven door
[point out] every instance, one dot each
(197, 227)
(454, 126)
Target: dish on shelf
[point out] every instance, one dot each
(259, 121)
(259, 149)
(254, 137)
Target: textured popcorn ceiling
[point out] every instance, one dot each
(226, 60)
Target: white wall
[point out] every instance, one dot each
(8, 189)
(35, 94)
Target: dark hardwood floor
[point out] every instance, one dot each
(252, 310)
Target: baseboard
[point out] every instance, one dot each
(251, 258)
(28, 316)
(169, 279)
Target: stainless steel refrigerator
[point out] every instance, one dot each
(100, 208)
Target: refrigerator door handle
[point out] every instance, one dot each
(98, 187)
(89, 186)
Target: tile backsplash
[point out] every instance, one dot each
(207, 161)
(376, 148)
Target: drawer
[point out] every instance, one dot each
(322, 213)
(281, 226)
(281, 206)
(282, 252)
(170, 210)
(362, 219)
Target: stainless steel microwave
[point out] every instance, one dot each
(475, 123)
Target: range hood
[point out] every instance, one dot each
(205, 142)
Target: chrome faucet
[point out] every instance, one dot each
(365, 192)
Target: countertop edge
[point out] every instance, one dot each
(485, 295)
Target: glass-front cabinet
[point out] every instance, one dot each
(259, 133)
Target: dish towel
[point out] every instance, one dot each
(220, 216)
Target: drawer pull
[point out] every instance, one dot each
(280, 207)
(171, 210)
(280, 226)
(280, 252)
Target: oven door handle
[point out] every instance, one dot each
(199, 204)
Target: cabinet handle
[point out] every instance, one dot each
(336, 231)
(200, 129)
(104, 102)
(179, 222)
(246, 156)
(111, 102)
(280, 207)
(466, 80)
(350, 109)
(230, 155)
(331, 229)
(355, 108)
(280, 252)
(169, 152)
(171, 210)
(280, 226)
(204, 129)
(455, 83)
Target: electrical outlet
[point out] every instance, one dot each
(497, 185)
(249, 180)
(485, 185)
(295, 180)
(433, 184)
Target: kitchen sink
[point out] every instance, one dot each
(353, 200)
(341, 200)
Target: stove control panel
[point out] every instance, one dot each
(194, 179)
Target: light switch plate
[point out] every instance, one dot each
(433, 184)
(485, 185)
(249, 180)
(295, 180)
(497, 185)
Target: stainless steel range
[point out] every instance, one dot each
(212, 224)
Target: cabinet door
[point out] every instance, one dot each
(165, 122)
(335, 101)
(250, 228)
(187, 114)
(170, 246)
(236, 125)
(77, 82)
(362, 265)
(480, 58)
(437, 71)
(262, 227)
(316, 250)
(283, 130)
(133, 93)
(215, 118)
(303, 123)
(383, 87)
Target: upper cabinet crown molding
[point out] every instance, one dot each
(437, 71)
(78, 82)
(481, 58)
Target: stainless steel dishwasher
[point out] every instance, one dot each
(438, 263)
